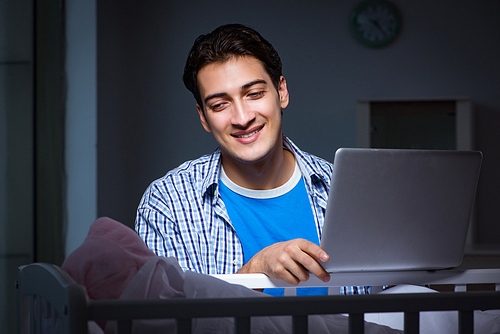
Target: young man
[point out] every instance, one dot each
(257, 204)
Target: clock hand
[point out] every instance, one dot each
(376, 24)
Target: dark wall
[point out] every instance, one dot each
(148, 124)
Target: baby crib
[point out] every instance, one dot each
(50, 299)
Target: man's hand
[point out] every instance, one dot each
(291, 261)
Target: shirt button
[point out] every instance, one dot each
(236, 262)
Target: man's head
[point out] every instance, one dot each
(235, 76)
(226, 42)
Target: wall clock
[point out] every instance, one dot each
(375, 23)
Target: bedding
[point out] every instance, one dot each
(114, 263)
(485, 322)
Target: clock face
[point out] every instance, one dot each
(375, 23)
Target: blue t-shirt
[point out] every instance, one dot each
(264, 217)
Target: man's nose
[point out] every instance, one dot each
(243, 114)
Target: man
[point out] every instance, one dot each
(257, 204)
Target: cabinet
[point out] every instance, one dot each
(438, 123)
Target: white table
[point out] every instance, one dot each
(459, 277)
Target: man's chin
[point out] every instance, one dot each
(246, 158)
(250, 160)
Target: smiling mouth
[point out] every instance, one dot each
(249, 134)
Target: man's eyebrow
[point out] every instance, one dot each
(213, 96)
(255, 82)
(245, 86)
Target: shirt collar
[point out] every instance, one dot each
(211, 181)
(307, 165)
(308, 168)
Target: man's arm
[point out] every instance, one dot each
(291, 261)
(157, 227)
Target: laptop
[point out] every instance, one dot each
(391, 209)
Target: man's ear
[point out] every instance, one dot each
(283, 92)
(203, 119)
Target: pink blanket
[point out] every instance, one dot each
(108, 259)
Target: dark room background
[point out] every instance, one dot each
(93, 108)
(147, 120)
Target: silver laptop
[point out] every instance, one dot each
(399, 209)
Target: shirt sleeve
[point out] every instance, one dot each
(156, 225)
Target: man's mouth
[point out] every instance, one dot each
(246, 135)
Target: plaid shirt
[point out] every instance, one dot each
(182, 215)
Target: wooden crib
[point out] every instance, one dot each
(51, 299)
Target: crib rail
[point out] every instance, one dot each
(43, 287)
(299, 308)
(49, 297)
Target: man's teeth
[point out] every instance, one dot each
(249, 134)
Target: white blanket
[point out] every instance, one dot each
(163, 278)
(487, 322)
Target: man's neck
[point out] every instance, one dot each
(262, 175)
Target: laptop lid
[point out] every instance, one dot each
(394, 209)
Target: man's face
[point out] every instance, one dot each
(242, 109)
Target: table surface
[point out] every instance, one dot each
(477, 270)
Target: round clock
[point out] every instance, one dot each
(375, 23)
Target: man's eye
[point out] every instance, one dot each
(256, 94)
(218, 106)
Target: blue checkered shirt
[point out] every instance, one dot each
(182, 215)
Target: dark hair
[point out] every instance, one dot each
(224, 43)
